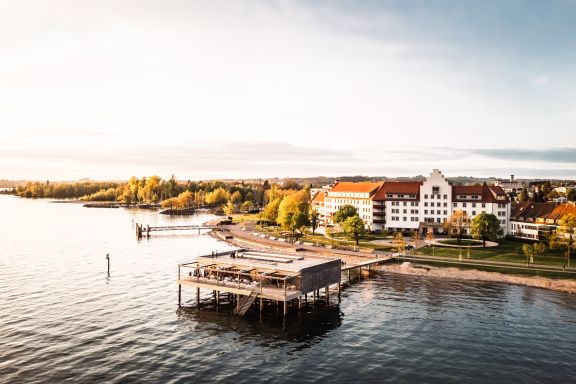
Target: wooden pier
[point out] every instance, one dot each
(247, 277)
(142, 230)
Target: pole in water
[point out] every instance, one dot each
(108, 259)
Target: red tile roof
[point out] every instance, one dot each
(562, 210)
(527, 211)
(398, 187)
(319, 198)
(362, 187)
(486, 193)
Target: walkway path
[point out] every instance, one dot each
(489, 263)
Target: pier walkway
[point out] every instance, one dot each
(142, 230)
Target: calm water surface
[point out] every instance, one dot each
(63, 319)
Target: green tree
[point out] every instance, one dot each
(457, 224)
(344, 213)
(353, 227)
(571, 194)
(486, 226)
(299, 221)
(314, 220)
(524, 197)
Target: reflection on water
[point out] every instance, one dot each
(64, 319)
(308, 326)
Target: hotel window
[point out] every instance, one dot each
(455, 205)
(445, 197)
(445, 212)
(405, 204)
(464, 204)
(483, 205)
(404, 219)
(425, 203)
(445, 205)
(404, 211)
(473, 205)
(439, 221)
(431, 204)
(473, 213)
(438, 212)
(425, 196)
(425, 211)
(438, 197)
(435, 189)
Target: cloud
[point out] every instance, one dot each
(553, 155)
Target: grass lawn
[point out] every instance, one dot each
(507, 251)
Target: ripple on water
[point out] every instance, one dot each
(63, 319)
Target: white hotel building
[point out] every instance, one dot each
(410, 206)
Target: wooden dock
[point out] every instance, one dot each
(142, 230)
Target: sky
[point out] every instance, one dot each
(107, 89)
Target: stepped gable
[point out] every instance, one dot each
(398, 187)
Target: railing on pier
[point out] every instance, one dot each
(142, 230)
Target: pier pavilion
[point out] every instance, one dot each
(248, 275)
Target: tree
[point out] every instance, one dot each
(293, 212)
(457, 224)
(571, 194)
(353, 227)
(314, 220)
(344, 213)
(399, 242)
(217, 196)
(524, 197)
(567, 228)
(486, 226)
(531, 250)
(236, 197)
(229, 209)
(539, 249)
(246, 206)
(298, 221)
(270, 211)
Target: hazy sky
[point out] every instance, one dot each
(230, 89)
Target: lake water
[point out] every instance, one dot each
(63, 319)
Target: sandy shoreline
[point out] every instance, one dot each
(407, 268)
